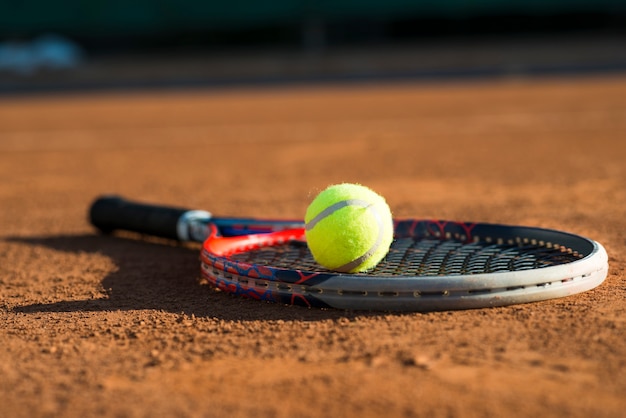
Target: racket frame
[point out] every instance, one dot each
(222, 238)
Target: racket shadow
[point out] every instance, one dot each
(161, 275)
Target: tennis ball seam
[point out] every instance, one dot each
(330, 210)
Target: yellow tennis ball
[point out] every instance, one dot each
(349, 228)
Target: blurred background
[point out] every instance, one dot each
(96, 44)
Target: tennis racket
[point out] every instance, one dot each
(432, 264)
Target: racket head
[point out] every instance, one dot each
(432, 265)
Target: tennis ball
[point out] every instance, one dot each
(348, 228)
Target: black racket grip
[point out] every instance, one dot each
(110, 213)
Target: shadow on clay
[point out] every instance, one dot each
(164, 276)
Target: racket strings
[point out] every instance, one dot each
(293, 255)
(433, 257)
(426, 257)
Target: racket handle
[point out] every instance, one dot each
(110, 213)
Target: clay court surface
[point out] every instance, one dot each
(121, 326)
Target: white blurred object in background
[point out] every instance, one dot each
(47, 52)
